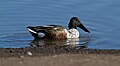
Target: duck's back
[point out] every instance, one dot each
(48, 32)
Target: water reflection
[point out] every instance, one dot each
(18, 40)
(73, 43)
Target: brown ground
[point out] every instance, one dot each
(58, 56)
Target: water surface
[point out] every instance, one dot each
(101, 17)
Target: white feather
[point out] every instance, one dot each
(72, 33)
(31, 31)
(41, 35)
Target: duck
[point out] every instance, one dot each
(58, 32)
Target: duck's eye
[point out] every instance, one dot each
(77, 21)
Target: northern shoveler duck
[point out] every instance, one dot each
(57, 31)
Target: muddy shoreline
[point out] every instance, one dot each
(53, 50)
(58, 56)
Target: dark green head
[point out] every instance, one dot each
(75, 22)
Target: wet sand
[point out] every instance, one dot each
(58, 56)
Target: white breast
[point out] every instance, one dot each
(72, 33)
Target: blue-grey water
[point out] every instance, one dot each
(101, 17)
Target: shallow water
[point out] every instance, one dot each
(101, 17)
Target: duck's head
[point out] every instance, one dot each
(75, 22)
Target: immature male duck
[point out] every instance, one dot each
(56, 31)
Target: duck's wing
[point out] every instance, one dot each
(37, 30)
(55, 25)
(43, 29)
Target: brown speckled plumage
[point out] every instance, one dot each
(56, 33)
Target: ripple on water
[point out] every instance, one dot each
(15, 40)
(101, 17)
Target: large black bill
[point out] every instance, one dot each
(83, 27)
